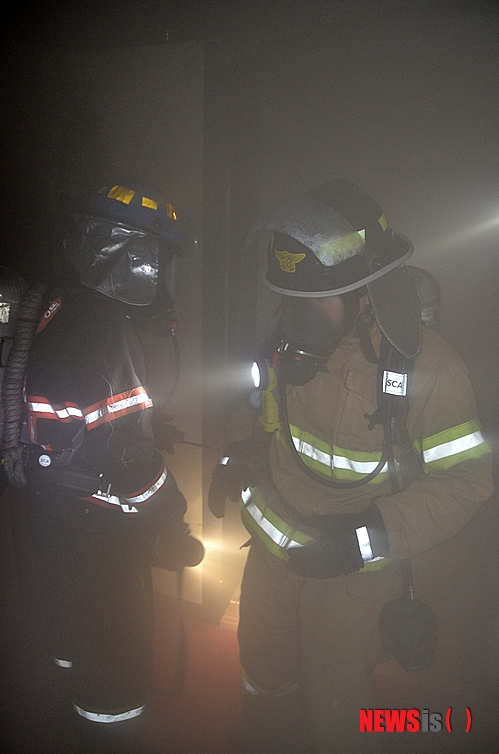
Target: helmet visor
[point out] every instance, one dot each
(118, 261)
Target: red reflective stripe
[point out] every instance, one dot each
(132, 498)
(54, 307)
(31, 428)
(116, 504)
(108, 409)
(53, 409)
(101, 502)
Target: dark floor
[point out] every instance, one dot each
(197, 720)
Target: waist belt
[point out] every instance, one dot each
(276, 530)
(46, 469)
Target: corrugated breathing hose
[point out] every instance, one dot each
(13, 382)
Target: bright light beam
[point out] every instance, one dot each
(469, 234)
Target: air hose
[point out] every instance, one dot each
(303, 466)
(13, 382)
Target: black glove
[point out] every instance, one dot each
(165, 434)
(339, 551)
(227, 481)
(176, 549)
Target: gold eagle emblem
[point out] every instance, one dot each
(288, 261)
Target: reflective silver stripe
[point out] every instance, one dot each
(335, 461)
(41, 408)
(148, 493)
(280, 539)
(251, 689)
(309, 450)
(364, 543)
(114, 500)
(63, 663)
(68, 411)
(111, 499)
(101, 717)
(340, 462)
(61, 413)
(453, 447)
(128, 508)
(112, 408)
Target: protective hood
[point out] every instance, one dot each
(397, 310)
(119, 261)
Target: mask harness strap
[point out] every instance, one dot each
(392, 413)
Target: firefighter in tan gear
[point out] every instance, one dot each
(364, 450)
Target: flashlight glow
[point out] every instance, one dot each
(256, 374)
(469, 234)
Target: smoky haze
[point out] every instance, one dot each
(231, 106)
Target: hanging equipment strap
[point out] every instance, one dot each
(394, 411)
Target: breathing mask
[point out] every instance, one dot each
(305, 337)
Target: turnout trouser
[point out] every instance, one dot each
(322, 634)
(98, 595)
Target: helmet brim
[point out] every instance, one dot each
(403, 249)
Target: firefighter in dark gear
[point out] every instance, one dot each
(366, 451)
(98, 494)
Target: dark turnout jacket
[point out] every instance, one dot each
(89, 412)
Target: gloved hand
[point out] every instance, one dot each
(227, 481)
(165, 434)
(339, 552)
(176, 549)
(231, 476)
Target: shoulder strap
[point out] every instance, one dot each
(393, 388)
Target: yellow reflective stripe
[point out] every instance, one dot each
(275, 533)
(377, 564)
(121, 194)
(341, 464)
(453, 446)
(253, 688)
(343, 247)
(170, 211)
(269, 419)
(440, 452)
(149, 203)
